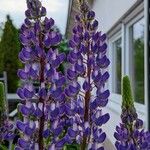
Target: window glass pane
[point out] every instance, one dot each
(116, 69)
(137, 59)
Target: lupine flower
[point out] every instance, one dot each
(6, 131)
(41, 109)
(88, 64)
(130, 134)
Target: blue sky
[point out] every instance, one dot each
(57, 9)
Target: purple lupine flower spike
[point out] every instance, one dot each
(130, 133)
(42, 90)
(6, 131)
(88, 63)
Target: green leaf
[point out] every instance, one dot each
(12, 147)
(72, 147)
(2, 147)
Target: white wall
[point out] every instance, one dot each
(109, 11)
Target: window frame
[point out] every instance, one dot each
(123, 32)
(128, 29)
(140, 107)
(114, 38)
(128, 26)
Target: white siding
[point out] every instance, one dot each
(109, 11)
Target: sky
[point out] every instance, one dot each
(57, 9)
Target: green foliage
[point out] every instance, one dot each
(127, 93)
(72, 147)
(19, 114)
(2, 147)
(139, 70)
(9, 49)
(63, 48)
(12, 147)
(2, 102)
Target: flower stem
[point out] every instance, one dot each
(41, 100)
(41, 122)
(41, 128)
(83, 145)
(87, 100)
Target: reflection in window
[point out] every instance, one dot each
(116, 62)
(137, 59)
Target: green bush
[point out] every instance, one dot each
(9, 49)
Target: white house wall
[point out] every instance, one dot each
(108, 12)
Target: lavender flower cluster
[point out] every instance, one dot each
(41, 117)
(64, 110)
(6, 131)
(88, 63)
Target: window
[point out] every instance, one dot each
(116, 66)
(128, 56)
(136, 59)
